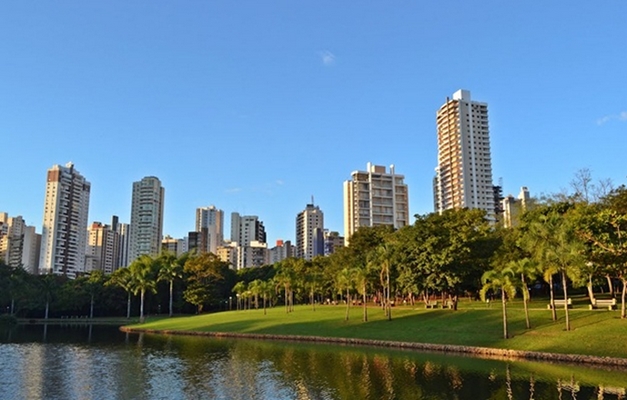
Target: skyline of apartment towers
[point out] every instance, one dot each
(372, 197)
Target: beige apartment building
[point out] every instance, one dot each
(464, 172)
(375, 197)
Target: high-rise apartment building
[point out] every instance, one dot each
(102, 248)
(332, 242)
(64, 231)
(309, 232)
(210, 223)
(464, 172)
(280, 252)
(146, 228)
(375, 197)
(513, 208)
(19, 243)
(249, 235)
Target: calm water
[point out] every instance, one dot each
(72, 362)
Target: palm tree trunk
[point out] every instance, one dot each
(388, 304)
(12, 305)
(47, 308)
(264, 304)
(91, 308)
(565, 300)
(171, 296)
(589, 287)
(128, 306)
(623, 315)
(141, 307)
(552, 301)
(348, 303)
(525, 300)
(505, 333)
(365, 307)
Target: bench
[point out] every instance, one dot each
(449, 304)
(560, 303)
(431, 304)
(598, 303)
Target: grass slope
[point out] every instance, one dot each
(598, 332)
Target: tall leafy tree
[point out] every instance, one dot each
(503, 281)
(208, 280)
(143, 280)
(170, 269)
(94, 285)
(123, 279)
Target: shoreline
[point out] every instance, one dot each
(483, 352)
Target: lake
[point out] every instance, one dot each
(100, 362)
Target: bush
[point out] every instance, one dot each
(6, 319)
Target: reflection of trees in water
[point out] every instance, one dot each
(262, 369)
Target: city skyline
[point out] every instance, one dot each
(256, 108)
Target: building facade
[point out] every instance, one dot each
(19, 243)
(102, 249)
(210, 222)
(248, 234)
(464, 172)
(375, 197)
(146, 228)
(64, 230)
(309, 232)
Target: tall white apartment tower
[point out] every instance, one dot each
(64, 231)
(464, 172)
(146, 228)
(246, 229)
(310, 232)
(210, 221)
(375, 197)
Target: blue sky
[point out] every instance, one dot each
(255, 106)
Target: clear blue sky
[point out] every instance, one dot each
(255, 106)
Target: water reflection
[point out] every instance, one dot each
(57, 362)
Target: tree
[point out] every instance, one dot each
(208, 280)
(142, 272)
(286, 277)
(48, 285)
(239, 289)
(551, 239)
(526, 270)
(382, 259)
(170, 269)
(94, 285)
(345, 283)
(122, 278)
(502, 280)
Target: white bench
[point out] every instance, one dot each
(560, 303)
(431, 304)
(598, 303)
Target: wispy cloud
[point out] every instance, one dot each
(327, 58)
(268, 188)
(622, 116)
(233, 190)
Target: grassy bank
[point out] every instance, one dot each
(594, 332)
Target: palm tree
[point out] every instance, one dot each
(142, 273)
(239, 289)
(123, 279)
(526, 269)
(499, 280)
(345, 283)
(94, 285)
(361, 282)
(170, 269)
(382, 260)
(48, 286)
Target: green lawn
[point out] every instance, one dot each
(594, 332)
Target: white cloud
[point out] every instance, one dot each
(233, 190)
(327, 57)
(622, 116)
(279, 182)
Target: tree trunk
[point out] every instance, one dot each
(128, 306)
(622, 300)
(505, 333)
(47, 309)
(610, 284)
(348, 304)
(565, 300)
(12, 305)
(590, 291)
(171, 308)
(365, 307)
(264, 304)
(525, 300)
(141, 307)
(552, 301)
(388, 305)
(91, 308)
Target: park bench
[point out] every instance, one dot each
(431, 304)
(560, 303)
(598, 303)
(448, 304)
